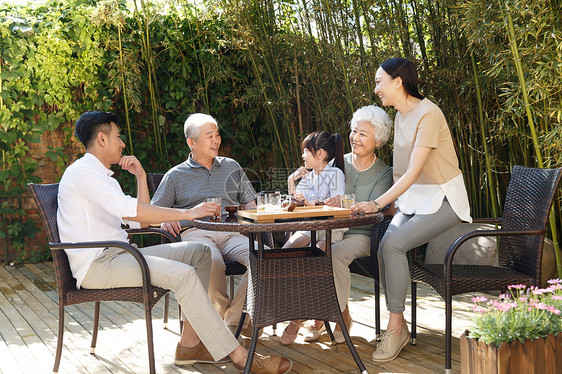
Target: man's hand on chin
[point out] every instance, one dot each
(132, 165)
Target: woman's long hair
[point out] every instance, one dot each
(332, 144)
(405, 69)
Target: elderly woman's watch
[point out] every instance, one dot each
(377, 205)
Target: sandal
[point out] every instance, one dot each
(312, 334)
(338, 335)
(287, 337)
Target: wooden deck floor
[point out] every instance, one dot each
(28, 326)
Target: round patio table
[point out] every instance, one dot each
(293, 283)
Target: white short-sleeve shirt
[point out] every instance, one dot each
(91, 207)
(329, 182)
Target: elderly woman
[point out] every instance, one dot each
(367, 177)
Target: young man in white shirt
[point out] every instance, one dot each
(92, 206)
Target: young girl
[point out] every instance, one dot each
(316, 186)
(322, 182)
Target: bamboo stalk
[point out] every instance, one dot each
(521, 78)
(361, 47)
(340, 51)
(483, 133)
(299, 112)
(127, 121)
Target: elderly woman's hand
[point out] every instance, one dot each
(364, 207)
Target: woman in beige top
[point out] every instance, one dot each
(428, 189)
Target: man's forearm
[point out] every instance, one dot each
(142, 190)
(152, 214)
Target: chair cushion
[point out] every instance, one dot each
(480, 250)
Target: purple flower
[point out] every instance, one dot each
(555, 281)
(523, 299)
(517, 286)
(557, 297)
(552, 309)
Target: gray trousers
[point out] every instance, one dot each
(343, 253)
(404, 233)
(183, 268)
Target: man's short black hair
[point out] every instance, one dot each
(91, 123)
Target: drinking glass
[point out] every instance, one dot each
(216, 200)
(261, 200)
(274, 201)
(347, 200)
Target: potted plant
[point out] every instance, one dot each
(519, 333)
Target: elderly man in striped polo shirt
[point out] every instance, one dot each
(203, 175)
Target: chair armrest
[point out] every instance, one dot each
(151, 230)
(496, 221)
(448, 261)
(112, 243)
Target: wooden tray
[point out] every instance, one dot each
(299, 212)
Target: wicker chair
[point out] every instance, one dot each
(369, 266)
(46, 198)
(521, 237)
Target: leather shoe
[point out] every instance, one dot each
(197, 354)
(391, 345)
(268, 365)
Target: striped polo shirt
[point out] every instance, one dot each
(189, 183)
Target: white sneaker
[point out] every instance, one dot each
(391, 345)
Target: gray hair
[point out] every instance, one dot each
(193, 124)
(377, 117)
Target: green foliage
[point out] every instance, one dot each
(49, 73)
(272, 72)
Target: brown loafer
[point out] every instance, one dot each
(197, 354)
(268, 365)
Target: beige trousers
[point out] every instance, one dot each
(225, 246)
(343, 253)
(183, 268)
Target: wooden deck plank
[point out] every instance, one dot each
(28, 329)
(83, 339)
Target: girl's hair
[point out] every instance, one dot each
(332, 144)
(405, 69)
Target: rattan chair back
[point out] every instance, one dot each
(154, 180)
(527, 206)
(46, 198)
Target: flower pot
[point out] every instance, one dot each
(539, 356)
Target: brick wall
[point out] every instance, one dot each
(49, 173)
